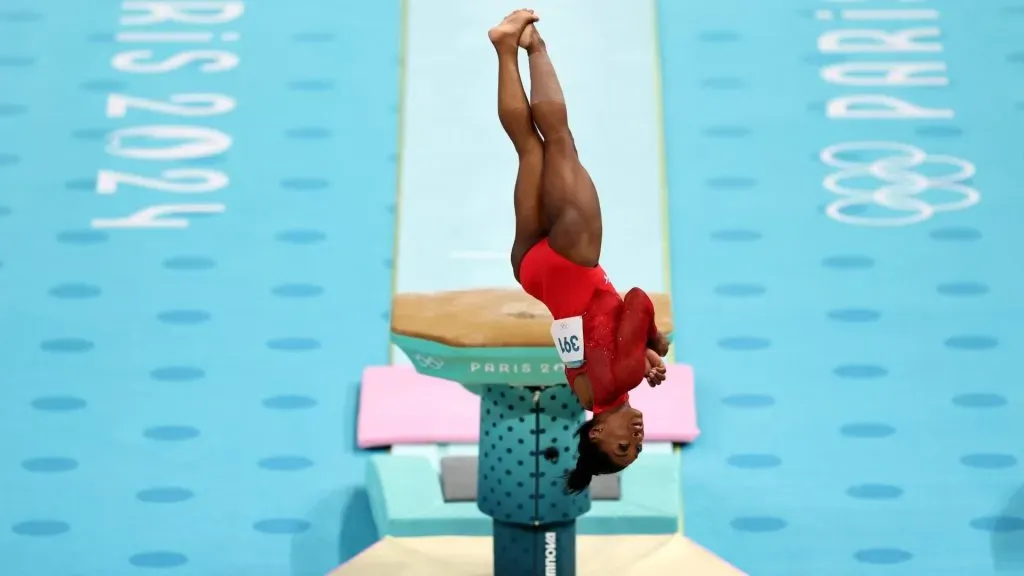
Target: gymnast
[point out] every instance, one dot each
(555, 258)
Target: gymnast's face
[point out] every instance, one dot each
(620, 435)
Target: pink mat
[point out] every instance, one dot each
(392, 401)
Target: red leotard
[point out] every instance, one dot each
(615, 330)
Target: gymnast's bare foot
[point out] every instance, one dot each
(530, 40)
(506, 35)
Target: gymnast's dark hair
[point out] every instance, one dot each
(590, 462)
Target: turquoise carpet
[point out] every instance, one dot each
(172, 398)
(855, 354)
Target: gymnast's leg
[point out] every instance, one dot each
(570, 203)
(517, 120)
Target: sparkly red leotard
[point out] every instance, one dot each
(616, 329)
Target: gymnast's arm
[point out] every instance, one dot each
(636, 328)
(579, 382)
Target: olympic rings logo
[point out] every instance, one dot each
(428, 362)
(901, 184)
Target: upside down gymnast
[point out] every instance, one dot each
(608, 343)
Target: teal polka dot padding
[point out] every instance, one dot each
(179, 401)
(561, 416)
(857, 377)
(526, 444)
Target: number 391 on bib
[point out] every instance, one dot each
(567, 334)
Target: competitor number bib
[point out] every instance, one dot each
(568, 336)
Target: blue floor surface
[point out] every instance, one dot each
(857, 391)
(171, 398)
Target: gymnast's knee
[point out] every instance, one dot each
(552, 118)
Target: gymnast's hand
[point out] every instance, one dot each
(655, 368)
